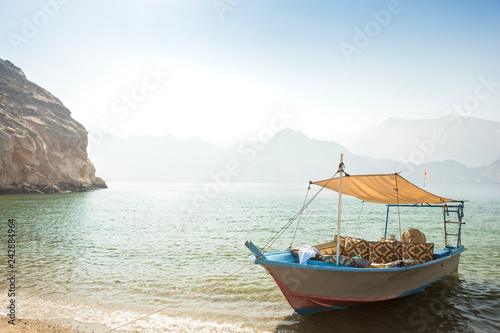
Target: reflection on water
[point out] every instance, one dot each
(108, 256)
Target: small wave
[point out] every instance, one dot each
(33, 308)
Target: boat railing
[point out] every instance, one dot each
(457, 208)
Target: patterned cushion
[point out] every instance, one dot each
(385, 252)
(343, 260)
(355, 246)
(420, 251)
(382, 239)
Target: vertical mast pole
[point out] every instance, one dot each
(386, 221)
(341, 171)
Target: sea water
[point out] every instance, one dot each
(112, 256)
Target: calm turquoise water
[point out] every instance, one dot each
(113, 255)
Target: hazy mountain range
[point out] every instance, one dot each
(464, 150)
(471, 141)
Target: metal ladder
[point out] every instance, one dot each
(459, 209)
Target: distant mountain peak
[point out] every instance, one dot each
(472, 141)
(288, 132)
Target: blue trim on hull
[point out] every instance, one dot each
(308, 311)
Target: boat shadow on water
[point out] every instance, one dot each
(452, 304)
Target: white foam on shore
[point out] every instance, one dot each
(164, 323)
(33, 308)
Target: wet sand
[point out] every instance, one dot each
(32, 326)
(49, 326)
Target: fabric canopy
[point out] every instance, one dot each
(385, 188)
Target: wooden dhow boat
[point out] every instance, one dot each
(351, 271)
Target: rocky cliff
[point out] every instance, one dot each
(42, 148)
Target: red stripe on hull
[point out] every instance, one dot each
(302, 301)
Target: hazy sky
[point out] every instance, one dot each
(222, 70)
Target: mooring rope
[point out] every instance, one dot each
(300, 216)
(268, 244)
(359, 218)
(182, 299)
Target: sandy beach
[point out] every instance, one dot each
(32, 326)
(49, 326)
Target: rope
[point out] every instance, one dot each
(287, 225)
(182, 299)
(398, 274)
(300, 216)
(269, 243)
(359, 218)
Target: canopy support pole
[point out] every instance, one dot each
(386, 221)
(341, 171)
(460, 212)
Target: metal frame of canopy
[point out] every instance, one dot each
(446, 210)
(390, 189)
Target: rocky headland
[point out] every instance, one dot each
(42, 148)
